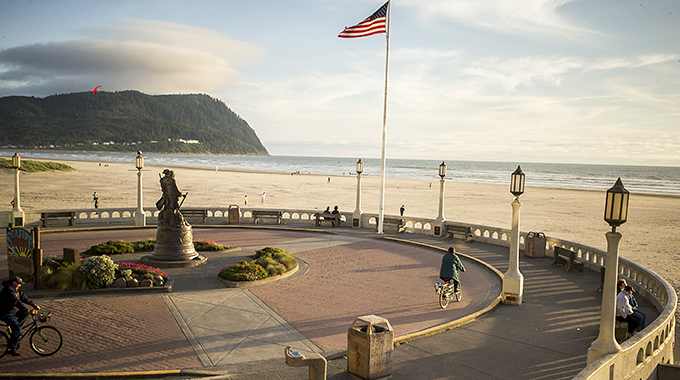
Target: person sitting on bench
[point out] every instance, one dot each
(624, 312)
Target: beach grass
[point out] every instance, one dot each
(29, 166)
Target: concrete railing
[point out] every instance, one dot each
(639, 355)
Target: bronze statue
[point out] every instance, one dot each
(169, 203)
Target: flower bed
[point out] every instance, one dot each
(98, 272)
(268, 262)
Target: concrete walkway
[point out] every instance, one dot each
(241, 333)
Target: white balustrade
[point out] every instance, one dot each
(639, 355)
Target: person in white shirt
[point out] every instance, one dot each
(624, 312)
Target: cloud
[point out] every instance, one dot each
(150, 56)
(446, 105)
(531, 18)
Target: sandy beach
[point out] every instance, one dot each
(650, 237)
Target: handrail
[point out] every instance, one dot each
(639, 355)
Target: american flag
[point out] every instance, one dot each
(374, 24)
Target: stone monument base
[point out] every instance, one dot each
(174, 245)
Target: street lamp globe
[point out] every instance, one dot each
(616, 205)
(517, 182)
(442, 170)
(360, 166)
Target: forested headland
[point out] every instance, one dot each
(126, 121)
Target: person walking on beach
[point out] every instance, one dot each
(263, 196)
(401, 210)
(95, 199)
(13, 311)
(245, 199)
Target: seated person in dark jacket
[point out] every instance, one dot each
(336, 212)
(13, 311)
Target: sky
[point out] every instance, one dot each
(559, 81)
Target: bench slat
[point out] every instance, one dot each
(466, 231)
(320, 217)
(394, 224)
(58, 215)
(257, 214)
(567, 257)
(203, 214)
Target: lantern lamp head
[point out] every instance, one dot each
(139, 161)
(442, 170)
(16, 161)
(360, 166)
(517, 182)
(616, 205)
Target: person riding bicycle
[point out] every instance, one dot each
(451, 264)
(13, 311)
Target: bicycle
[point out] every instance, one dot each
(44, 340)
(446, 291)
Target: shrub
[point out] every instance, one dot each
(243, 271)
(275, 260)
(209, 245)
(67, 277)
(110, 248)
(143, 245)
(267, 252)
(100, 271)
(275, 270)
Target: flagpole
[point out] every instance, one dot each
(381, 216)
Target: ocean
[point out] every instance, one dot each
(637, 179)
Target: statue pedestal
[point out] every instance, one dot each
(174, 247)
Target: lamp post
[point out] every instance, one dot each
(439, 222)
(140, 217)
(17, 212)
(356, 217)
(615, 214)
(513, 280)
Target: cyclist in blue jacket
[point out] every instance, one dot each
(13, 311)
(451, 264)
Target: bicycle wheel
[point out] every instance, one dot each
(45, 340)
(4, 341)
(444, 298)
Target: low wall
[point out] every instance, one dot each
(639, 355)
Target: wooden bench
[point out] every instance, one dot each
(258, 214)
(325, 217)
(58, 215)
(567, 257)
(464, 231)
(395, 225)
(202, 215)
